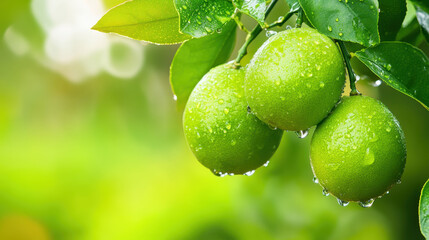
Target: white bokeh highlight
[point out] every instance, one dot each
(71, 48)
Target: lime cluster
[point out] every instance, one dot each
(235, 118)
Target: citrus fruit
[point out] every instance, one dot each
(295, 79)
(220, 131)
(358, 152)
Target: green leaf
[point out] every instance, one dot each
(253, 8)
(154, 21)
(401, 66)
(424, 210)
(422, 4)
(292, 2)
(423, 18)
(411, 33)
(199, 18)
(346, 20)
(196, 57)
(112, 3)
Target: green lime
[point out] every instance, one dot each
(358, 152)
(222, 134)
(295, 79)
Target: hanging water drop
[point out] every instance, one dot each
(367, 204)
(270, 33)
(302, 134)
(249, 173)
(315, 180)
(219, 174)
(272, 127)
(342, 203)
(175, 97)
(325, 192)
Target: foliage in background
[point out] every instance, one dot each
(105, 159)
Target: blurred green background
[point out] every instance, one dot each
(91, 148)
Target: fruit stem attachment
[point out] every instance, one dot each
(251, 36)
(300, 18)
(352, 76)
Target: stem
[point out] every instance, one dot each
(282, 21)
(236, 17)
(352, 76)
(251, 36)
(300, 18)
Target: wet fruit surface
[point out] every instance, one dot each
(222, 134)
(295, 79)
(358, 152)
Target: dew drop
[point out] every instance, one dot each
(266, 164)
(325, 192)
(315, 180)
(228, 126)
(318, 67)
(226, 111)
(219, 174)
(272, 127)
(302, 134)
(342, 203)
(175, 97)
(340, 34)
(369, 157)
(249, 173)
(367, 204)
(330, 28)
(388, 67)
(399, 181)
(270, 33)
